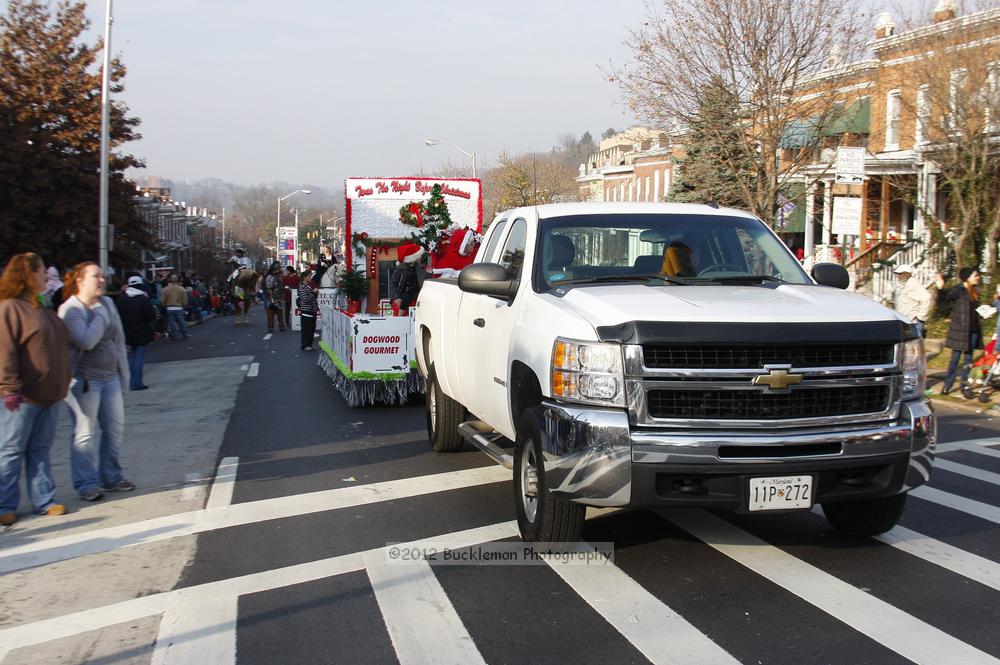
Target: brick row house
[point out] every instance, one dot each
(894, 104)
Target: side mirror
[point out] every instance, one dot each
(831, 274)
(489, 279)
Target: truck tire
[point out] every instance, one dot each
(444, 415)
(541, 515)
(865, 517)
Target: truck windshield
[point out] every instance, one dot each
(685, 248)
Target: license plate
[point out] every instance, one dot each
(780, 493)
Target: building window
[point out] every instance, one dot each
(666, 182)
(923, 114)
(892, 111)
(955, 102)
(993, 98)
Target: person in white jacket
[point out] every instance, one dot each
(912, 299)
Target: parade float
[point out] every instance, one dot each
(431, 225)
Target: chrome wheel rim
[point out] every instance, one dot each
(529, 481)
(432, 405)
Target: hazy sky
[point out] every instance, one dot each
(313, 91)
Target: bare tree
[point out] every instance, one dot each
(528, 179)
(781, 59)
(955, 107)
(254, 220)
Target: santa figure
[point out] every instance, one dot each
(454, 252)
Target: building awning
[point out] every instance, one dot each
(799, 134)
(853, 118)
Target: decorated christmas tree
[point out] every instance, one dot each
(436, 209)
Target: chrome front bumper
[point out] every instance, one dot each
(593, 457)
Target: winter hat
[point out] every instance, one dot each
(965, 273)
(903, 267)
(409, 253)
(135, 280)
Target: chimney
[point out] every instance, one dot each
(945, 10)
(884, 26)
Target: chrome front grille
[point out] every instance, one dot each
(658, 355)
(755, 404)
(839, 385)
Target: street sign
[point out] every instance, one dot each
(846, 215)
(850, 166)
(286, 245)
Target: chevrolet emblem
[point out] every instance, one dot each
(777, 379)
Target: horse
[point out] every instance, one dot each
(245, 284)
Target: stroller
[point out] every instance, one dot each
(987, 369)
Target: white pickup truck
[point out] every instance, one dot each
(655, 355)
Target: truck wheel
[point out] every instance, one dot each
(541, 515)
(865, 517)
(444, 415)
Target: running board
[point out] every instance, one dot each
(484, 437)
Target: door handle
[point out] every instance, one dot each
(479, 323)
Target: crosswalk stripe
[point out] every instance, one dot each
(67, 625)
(967, 471)
(197, 632)
(222, 489)
(978, 509)
(969, 444)
(949, 557)
(888, 625)
(421, 621)
(254, 369)
(658, 632)
(46, 551)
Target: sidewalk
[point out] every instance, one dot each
(172, 436)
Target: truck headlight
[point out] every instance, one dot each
(914, 368)
(590, 372)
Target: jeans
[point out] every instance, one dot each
(27, 433)
(102, 404)
(956, 355)
(175, 324)
(135, 362)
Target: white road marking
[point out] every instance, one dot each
(658, 632)
(967, 471)
(197, 631)
(420, 619)
(267, 336)
(55, 628)
(947, 556)
(182, 524)
(906, 635)
(978, 509)
(254, 369)
(222, 488)
(969, 444)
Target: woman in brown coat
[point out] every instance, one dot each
(34, 378)
(964, 333)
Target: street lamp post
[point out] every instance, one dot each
(294, 257)
(432, 142)
(105, 134)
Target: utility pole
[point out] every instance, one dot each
(105, 122)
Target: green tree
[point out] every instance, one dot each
(714, 167)
(609, 132)
(50, 125)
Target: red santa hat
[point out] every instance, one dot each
(409, 253)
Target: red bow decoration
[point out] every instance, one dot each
(418, 212)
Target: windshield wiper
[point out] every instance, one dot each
(623, 278)
(746, 278)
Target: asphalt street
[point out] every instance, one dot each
(290, 562)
